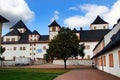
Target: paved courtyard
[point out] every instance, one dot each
(75, 73)
(86, 74)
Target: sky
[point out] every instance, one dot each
(38, 14)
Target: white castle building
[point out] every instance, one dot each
(21, 42)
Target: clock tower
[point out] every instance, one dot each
(54, 27)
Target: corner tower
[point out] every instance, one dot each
(99, 23)
(54, 27)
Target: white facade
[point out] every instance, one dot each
(108, 59)
(89, 46)
(112, 70)
(25, 50)
(99, 26)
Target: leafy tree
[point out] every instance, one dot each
(81, 50)
(64, 45)
(2, 50)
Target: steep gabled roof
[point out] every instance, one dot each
(99, 20)
(115, 41)
(3, 20)
(36, 32)
(19, 24)
(14, 32)
(54, 23)
(92, 35)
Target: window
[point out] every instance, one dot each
(35, 40)
(111, 61)
(54, 29)
(119, 57)
(88, 56)
(100, 61)
(104, 27)
(7, 39)
(104, 58)
(95, 27)
(20, 31)
(20, 48)
(34, 53)
(13, 39)
(23, 48)
(44, 47)
(87, 47)
(14, 48)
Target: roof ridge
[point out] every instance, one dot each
(19, 24)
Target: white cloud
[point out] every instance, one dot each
(114, 13)
(14, 10)
(73, 8)
(55, 17)
(91, 11)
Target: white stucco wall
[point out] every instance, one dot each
(89, 51)
(74, 62)
(99, 26)
(32, 51)
(112, 70)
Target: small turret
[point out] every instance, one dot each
(99, 23)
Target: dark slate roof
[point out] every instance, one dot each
(99, 20)
(92, 35)
(2, 19)
(19, 24)
(44, 37)
(13, 33)
(24, 36)
(74, 30)
(36, 32)
(115, 41)
(54, 23)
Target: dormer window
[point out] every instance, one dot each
(94, 27)
(7, 39)
(20, 31)
(104, 27)
(13, 39)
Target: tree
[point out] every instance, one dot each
(64, 45)
(81, 50)
(1, 52)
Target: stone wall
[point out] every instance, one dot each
(74, 62)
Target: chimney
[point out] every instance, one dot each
(81, 29)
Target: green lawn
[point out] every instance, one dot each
(29, 74)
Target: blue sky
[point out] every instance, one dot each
(38, 14)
